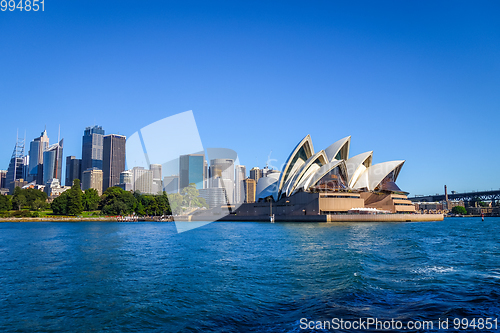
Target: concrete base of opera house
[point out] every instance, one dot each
(321, 207)
(320, 218)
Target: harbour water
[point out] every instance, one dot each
(244, 277)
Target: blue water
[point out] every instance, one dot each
(243, 277)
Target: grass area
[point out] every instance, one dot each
(95, 213)
(44, 213)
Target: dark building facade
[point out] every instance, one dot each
(171, 184)
(113, 159)
(16, 166)
(3, 177)
(92, 148)
(35, 168)
(14, 172)
(52, 162)
(191, 170)
(73, 170)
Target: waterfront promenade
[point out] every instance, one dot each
(320, 218)
(234, 218)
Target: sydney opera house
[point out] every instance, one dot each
(329, 182)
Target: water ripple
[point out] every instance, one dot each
(251, 277)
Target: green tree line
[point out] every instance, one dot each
(114, 201)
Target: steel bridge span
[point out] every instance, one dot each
(493, 196)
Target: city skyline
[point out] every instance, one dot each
(424, 83)
(61, 175)
(106, 166)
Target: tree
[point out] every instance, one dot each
(111, 194)
(175, 201)
(116, 207)
(74, 201)
(459, 210)
(190, 192)
(19, 200)
(59, 204)
(129, 200)
(5, 202)
(139, 210)
(38, 204)
(116, 201)
(200, 202)
(163, 205)
(149, 203)
(90, 199)
(30, 196)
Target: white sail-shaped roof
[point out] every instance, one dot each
(301, 153)
(357, 165)
(339, 150)
(310, 167)
(330, 170)
(374, 175)
(324, 170)
(266, 186)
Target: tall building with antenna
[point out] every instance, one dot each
(92, 148)
(35, 166)
(16, 165)
(52, 162)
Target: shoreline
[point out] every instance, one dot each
(58, 219)
(235, 218)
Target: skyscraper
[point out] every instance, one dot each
(250, 187)
(255, 174)
(16, 166)
(214, 196)
(171, 184)
(37, 147)
(143, 180)
(191, 170)
(239, 177)
(92, 178)
(26, 161)
(113, 160)
(127, 180)
(92, 148)
(3, 177)
(73, 169)
(52, 162)
(205, 174)
(222, 172)
(223, 168)
(157, 184)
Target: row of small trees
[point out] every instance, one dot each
(75, 201)
(22, 198)
(459, 210)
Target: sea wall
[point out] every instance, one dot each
(326, 218)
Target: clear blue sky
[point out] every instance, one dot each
(416, 81)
